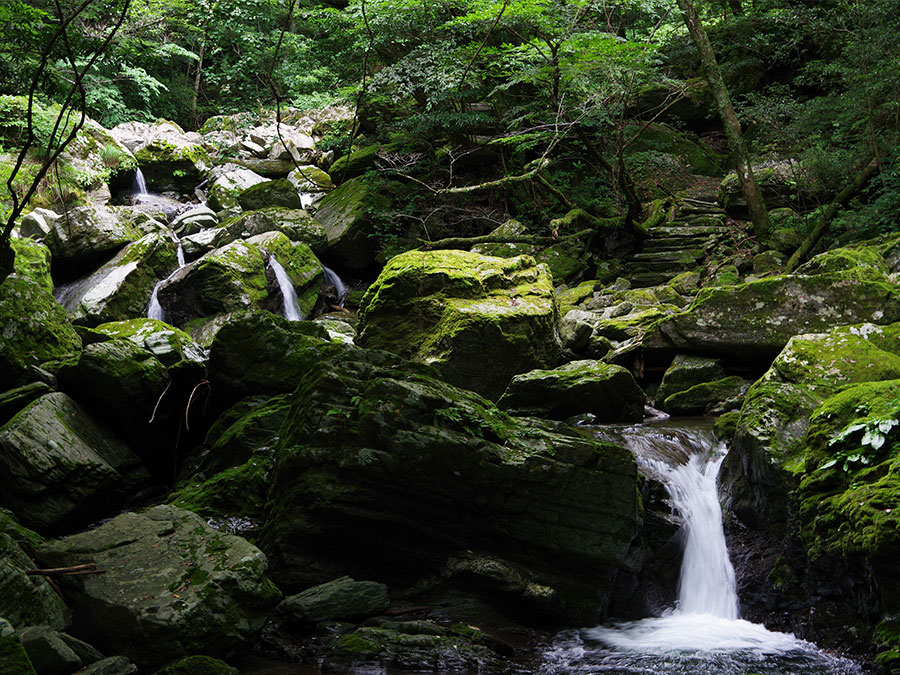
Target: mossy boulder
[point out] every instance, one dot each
(121, 288)
(13, 658)
(238, 276)
(416, 646)
(758, 318)
(60, 469)
(229, 182)
(198, 665)
(227, 480)
(782, 184)
(257, 353)
(700, 398)
(357, 162)
(693, 157)
(296, 224)
(478, 320)
(768, 451)
(173, 586)
(310, 181)
(607, 392)
(169, 158)
(687, 371)
(89, 234)
(27, 599)
(339, 599)
(123, 381)
(858, 263)
(384, 471)
(279, 192)
(840, 356)
(168, 345)
(346, 213)
(33, 261)
(36, 330)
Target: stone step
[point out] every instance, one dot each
(680, 256)
(645, 279)
(658, 266)
(671, 230)
(674, 244)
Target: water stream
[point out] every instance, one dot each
(332, 279)
(703, 633)
(288, 293)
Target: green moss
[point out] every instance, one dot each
(355, 643)
(695, 400)
(280, 192)
(571, 298)
(198, 665)
(13, 658)
(726, 425)
(33, 261)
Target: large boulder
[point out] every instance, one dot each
(124, 379)
(36, 330)
(239, 276)
(172, 586)
(121, 288)
(384, 472)
(169, 158)
(758, 318)
(687, 371)
(27, 599)
(607, 392)
(89, 234)
(279, 192)
(346, 215)
(32, 261)
(342, 598)
(478, 320)
(229, 182)
(60, 469)
(15, 659)
(296, 224)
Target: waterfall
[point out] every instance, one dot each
(140, 185)
(332, 279)
(703, 633)
(288, 294)
(154, 309)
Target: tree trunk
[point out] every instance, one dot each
(755, 203)
(800, 255)
(197, 77)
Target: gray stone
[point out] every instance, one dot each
(48, 653)
(112, 665)
(60, 469)
(15, 660)
(173, 586)
(686, 371)
(342, 599)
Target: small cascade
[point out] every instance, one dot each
(333, 280)
(140, 185)
(154, 309)
(288, 294)
(703, 634)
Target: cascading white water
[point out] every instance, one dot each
(154, 309)
(332, 279)
(288, 294)
(702, 634)
(140, 185)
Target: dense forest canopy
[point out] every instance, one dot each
(576, 85)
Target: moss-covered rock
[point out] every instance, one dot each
(169, 158)
(173, 586)
(227, 480)
(759, 317)
(36, 330)
(419, 646)
(839, 357)
(384, 471)
(296, 224)
(13, 658)
(701, 397)
(605, 391)
(89, 234)
(279, 192)
(357, 162)
(169, 345)
(27, 599)
(199, 665)
(478, 320)
(687, 371)
(346, 215)
(857, 263)
(260, 353)
(572, 298)
(691, 155)
(238, 276)
(230, 181)
(61, 470)
(33, 261)
(121, 288)
(342, 599)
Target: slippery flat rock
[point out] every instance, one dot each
(173, 586)
(759, 317)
